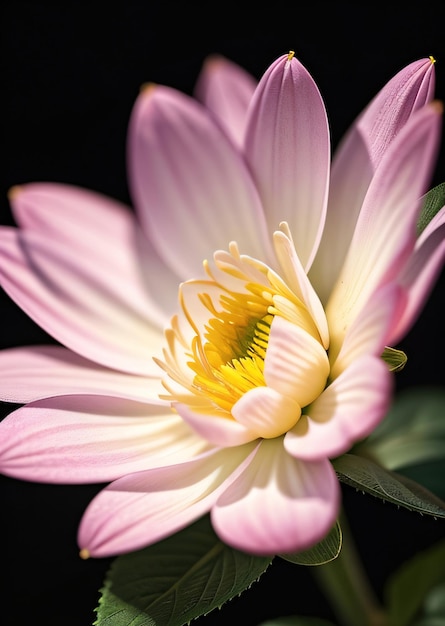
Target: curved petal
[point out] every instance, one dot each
(296, 365)
(357, 158)
(140, 509)
(420, 275)
(101, 230)
(385, 233)
(407, 92)
(35, 372)
(91, 439)
(266, 412)
(278, 504)
(190, 186)
(348, 410)
(288, 150)
(299, 282)
(219, 429)
(79, 302)
(226, 90)
(373, 329)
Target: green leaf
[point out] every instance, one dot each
(413, 431)
(395, 359)
(297, 620)
(366, 476)
(176, 580)
(323, 552)
(433, 607)
(406, 592)
(434, 200)
(430, 475)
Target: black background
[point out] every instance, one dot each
(70, 75)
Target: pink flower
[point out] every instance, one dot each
(292, 280)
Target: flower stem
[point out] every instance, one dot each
(347, 587)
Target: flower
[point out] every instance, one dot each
(219, 346)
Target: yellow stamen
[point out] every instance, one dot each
(432, 59)
(84, 554)
(231, 359)
(290, 55)
(230, 317)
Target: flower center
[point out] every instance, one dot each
(234, 348)
(245, 347)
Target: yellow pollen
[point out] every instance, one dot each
(290, 55)
(231, 359)
(216, 350)
(432, 59)
(84, 554)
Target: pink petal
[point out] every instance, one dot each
(278, 504)
(385, 233)
(380, 122)
(420, 275)
(215, 426)
(266, 412)
(80, 301)
(347, 411)
(288, 151)
(190, 186)
(90, 439)
(34, 373)
(357, 158)
(372, 330)
(103, 231)
(226, 90)
(296, 364)
(300, 284)
(143, 508)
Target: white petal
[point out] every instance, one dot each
(190, 185)
(266, 412)
(215, 426)
(99, 231)
(420, 275)
(385, 233)
(372, 330)
(356, 159)
(91, 439)
(78, 302)
(347, 411)
(298, 281)
(278, 504)
(296, 364)
(288, 150)
(36, 372)
(226, 90)
(140, 509)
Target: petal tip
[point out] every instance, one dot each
(437, 105)
(13, 192)
(147, 87)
